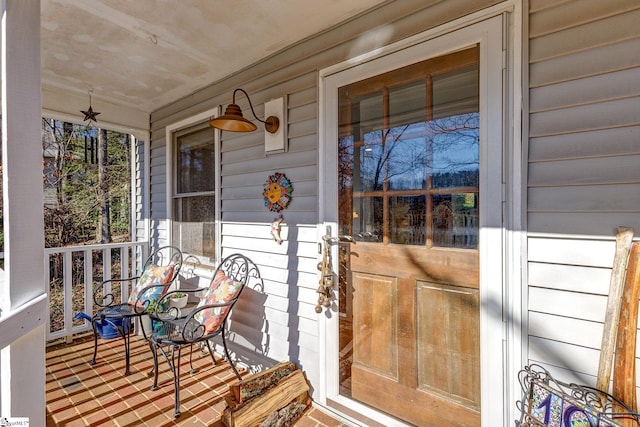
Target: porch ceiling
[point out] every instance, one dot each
(145, 54)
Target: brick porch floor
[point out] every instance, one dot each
(79, 394)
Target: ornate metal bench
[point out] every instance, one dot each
(549, 402)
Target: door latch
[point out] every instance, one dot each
(327, 275)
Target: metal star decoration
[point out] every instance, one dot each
(89, 114)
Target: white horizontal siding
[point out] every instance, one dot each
(257, 179)
(618, 169)
(599, 143)
(586, 198)
(574, 278)
(583, 172)
(549, 16)
(599, 60)
(296, 159)
(304, 218)
(607, 114)
(570, 304)
(578, 252)
(584, 35)
(563, 355)
(565, 223)
(587, 90)
(578, 332)
(561, 358)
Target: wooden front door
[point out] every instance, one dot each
(408, 179)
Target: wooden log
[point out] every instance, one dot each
(624, 235)
(254, 412)
(624, 369)
(257, 384)
(287, 416)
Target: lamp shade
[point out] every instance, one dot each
(233, 121)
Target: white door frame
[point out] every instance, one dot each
(501, 280)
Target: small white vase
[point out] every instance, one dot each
(178, 302)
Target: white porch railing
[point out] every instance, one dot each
(72, 272)
(22, 320)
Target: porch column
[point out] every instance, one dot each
(22, 361)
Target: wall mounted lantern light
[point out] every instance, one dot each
(233, 121)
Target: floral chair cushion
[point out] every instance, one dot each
(152, 275)
(223, 289)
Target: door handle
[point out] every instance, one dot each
(346, 239)
(327, 275)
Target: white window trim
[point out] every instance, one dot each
(169, 153)
(506, 346)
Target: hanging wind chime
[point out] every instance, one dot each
(89, 114)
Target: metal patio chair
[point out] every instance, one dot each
(158, 273)
(176, 330)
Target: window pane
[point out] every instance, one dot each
(455, 151)
(408, 104)
(346, 184)
(194, 225)
(407, 157)
(196, 162)
(371, 156)
(454, 130)
(367, 114)
(367, 219)
(456, 92)
(408, 220)
(455, 220)
(406, 139)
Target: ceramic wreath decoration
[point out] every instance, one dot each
(277, 192)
